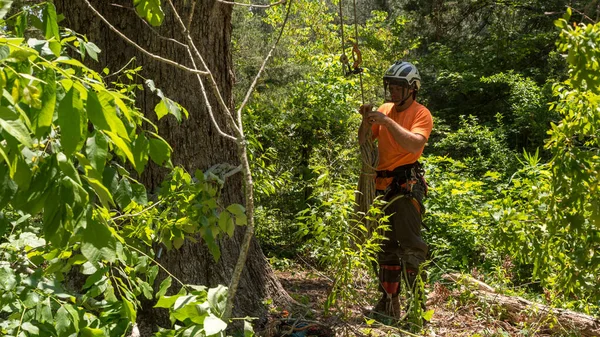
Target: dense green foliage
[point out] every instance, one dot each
(79, 234)
(495, 79)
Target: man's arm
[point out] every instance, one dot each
(411, 142)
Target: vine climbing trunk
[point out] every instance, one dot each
(195, 141)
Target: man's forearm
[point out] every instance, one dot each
(409, 141)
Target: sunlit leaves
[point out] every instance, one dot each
(70, 110)
(50, 22)
(150, 10)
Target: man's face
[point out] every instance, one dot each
(398, 92)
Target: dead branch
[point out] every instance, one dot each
(138, 47)
(251, 5)
(520, 309)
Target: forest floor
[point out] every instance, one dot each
(457, 312)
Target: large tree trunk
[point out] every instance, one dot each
(195, 141)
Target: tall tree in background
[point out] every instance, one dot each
(196, 143)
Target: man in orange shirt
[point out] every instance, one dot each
(402, 127)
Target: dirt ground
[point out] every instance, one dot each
(456, 313)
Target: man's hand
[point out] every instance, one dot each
(365, 109)
(376, 117)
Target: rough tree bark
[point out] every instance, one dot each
(195, 142)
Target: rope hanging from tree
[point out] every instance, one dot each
(369, 154)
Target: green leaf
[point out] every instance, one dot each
(22, 175)
(96, 150)
(123, 146)
(66, 166)
(4, 52)
(63, 321)
(217, 297)
(224, 217)
(167, 301)
(214, 325)
(41, 119)
(164, 286)
(248, 330)
(102, 112)
(168, 106)
(101, 191)
(30, 328)
(236, 209)
(128, 311)
(98, 242)
(150, 10)
(8, 281)
(160, 150)
(92, 50)
(427, 315)
(50, 22)
(69, 118)
(123, 194)
(141, 147)
(5, 7)
(17, 129)
(138, 193)
(91, 332)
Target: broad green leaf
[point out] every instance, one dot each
(123, 194)
(182, 301)
(63, 321)
(160, 150)
(30, 328)
(138, 193)
(123, 146)
(248, 330)
(91, 332)
(96, 150)
(98, 242)
(22, 174)
(224, 217)
(428, 315)
(8, 281)
(166, 301)
(128, 311)
(4, 52)
(161, 109)
(92, 50)
(150, 10)
(66, 166)
(236, 209)
(101, 191)
(102, 112)
(5, 7)
(141, 148)
(217, 297)
(168, 106)
(164, 286)
(69, 118)
(41, 119)
(214, 325)
(50, 22)
(17, 129)
(95, 277)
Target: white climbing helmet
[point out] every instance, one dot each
(402, 73)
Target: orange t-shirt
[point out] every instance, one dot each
(416, 119)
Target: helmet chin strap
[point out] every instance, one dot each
(403, 100)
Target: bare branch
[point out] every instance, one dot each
(138, 47)
(208, 106)
(241, 262)
(191, 15)
(251, 5)
(213, 86)
(262, 68)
